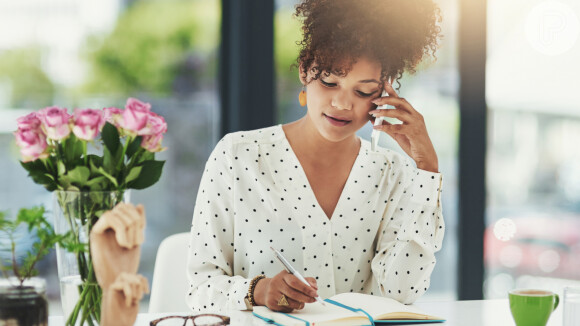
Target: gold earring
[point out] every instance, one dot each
(302, 96)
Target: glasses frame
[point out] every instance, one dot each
(225, 319)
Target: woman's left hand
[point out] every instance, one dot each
(412, 134)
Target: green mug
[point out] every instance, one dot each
(532, 307)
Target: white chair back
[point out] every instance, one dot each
(169, 285)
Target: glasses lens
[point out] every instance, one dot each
(175, 322)
(199, 321)
(208, 321)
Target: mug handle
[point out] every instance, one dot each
(557, 301)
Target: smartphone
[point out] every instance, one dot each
(376, 134)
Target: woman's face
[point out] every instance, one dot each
(339, 106)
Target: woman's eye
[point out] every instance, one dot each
(327, 84)
(363, 94)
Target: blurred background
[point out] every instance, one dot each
(167, 52)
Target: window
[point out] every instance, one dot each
(95, 54)
(532, 238)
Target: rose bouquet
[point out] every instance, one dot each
(87, 181)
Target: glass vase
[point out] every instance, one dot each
(75, 213)
(23, 305)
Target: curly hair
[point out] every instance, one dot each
(396, 33)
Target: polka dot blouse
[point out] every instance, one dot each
(254, 194)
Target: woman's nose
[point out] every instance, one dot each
(341, 101)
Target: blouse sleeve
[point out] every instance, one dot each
(412, 231)
(211, 248)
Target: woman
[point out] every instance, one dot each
(348, 218)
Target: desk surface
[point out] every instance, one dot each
(457, 313)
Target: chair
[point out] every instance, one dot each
(169, 285)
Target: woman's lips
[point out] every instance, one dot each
(336, 122)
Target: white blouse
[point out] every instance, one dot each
(254, 194)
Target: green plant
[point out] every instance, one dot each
(45, 239)
(155, 47)
(22, 74)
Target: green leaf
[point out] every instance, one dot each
(64, 182)
(43, 235)
(108, 176)
(79, 175)
(97, 183)
(41, 177)
(60, 168)
(94, 163)
(150, 174)
(36, 165)
(133, 174)
(133, 147)
(110, 137)
(110, 161)
(69, 147)
(78, 149)
(146, 156)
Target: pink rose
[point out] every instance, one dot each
(87, 123)
(29, 122)
(113, 115)
(135, 116)
(155, 125)
(32, 144)
(152, 143)
(153, 133)
(55, 122)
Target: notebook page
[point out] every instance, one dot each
(374, 305)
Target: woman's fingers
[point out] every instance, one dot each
(393, 128)
(294, 304)
(390, 90)
(399, 114)
(312, 282)
(398, 102)
(295, 283)
(296, 295)
(291, 287)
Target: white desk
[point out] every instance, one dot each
(457, 313)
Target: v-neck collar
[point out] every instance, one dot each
(345, 189)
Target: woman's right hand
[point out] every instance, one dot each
(268, 292)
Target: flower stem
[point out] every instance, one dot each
(85, 153)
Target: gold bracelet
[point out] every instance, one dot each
(252, 287)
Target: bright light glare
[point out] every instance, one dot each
(510, 256)
(504, 229)
(548, 261)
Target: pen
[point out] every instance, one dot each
(292, 271)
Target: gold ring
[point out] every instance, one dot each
(283, 301)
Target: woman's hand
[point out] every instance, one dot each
(268, 292)
(412, 135)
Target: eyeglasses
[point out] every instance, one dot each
(198, 320)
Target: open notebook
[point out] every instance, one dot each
(349, 309)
